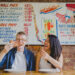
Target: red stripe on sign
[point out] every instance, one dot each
(70, 5)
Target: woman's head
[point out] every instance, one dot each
(47, 44)
(55, 47)
(52, 43)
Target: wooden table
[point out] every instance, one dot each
(37, 73)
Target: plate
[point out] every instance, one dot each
(49, 70)
(13, 70)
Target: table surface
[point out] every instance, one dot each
(71, 72)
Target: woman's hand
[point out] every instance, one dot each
(44, 54)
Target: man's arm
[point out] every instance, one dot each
(6, 49)
(2, 54)
(3, 58)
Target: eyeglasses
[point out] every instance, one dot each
(21, 39)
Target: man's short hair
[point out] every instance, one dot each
(21, 33)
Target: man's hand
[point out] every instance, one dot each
(6, 49)
(9, 46)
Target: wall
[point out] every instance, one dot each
(69, 57)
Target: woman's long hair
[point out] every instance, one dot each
(55, 47)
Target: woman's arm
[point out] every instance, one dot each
(38, 56)
(57, 64)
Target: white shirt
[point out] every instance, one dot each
(44, 65)
(19, 62)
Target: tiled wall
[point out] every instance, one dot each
(69, 57)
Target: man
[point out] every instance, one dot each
(16, 56)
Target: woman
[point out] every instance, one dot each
(50, 56)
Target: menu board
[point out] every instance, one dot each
(37, 20)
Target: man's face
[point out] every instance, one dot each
(21, 40)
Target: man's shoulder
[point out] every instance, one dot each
(12, 50)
